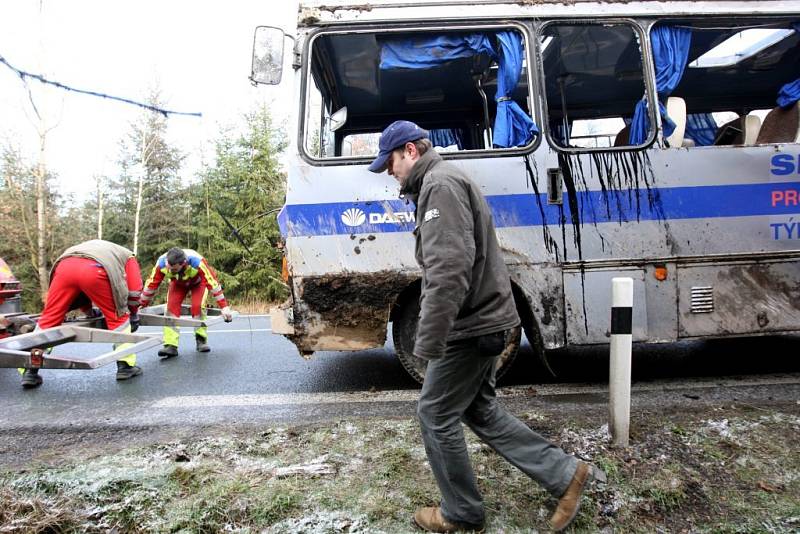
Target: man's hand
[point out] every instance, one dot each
(144, 303)
(226, 314)
(135, 321)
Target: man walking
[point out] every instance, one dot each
(466, 308)
(94, 272)
(187, 272)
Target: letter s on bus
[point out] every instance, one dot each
(782, 164)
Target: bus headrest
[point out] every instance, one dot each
(676, 111)
(781, 125)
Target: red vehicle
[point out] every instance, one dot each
(12, 320)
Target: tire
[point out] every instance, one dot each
(404, 332)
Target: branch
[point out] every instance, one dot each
(38, 77)
(234, 231)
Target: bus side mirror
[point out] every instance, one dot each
(267, 66)
(338, 119)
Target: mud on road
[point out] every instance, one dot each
(702, 458)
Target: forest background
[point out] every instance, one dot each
(226, 211)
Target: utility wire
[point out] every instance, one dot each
(38, 77)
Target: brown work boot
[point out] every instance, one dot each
(570, 502)
(432, 520)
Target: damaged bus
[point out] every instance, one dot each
(656, 140)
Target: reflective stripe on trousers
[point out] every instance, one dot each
(175, 296)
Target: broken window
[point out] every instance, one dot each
(593, 78)
(470, 89)
(738, 84)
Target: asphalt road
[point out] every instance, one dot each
(253, 376)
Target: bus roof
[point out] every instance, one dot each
(322, 12)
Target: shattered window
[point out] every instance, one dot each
(594, 78)
(470, 89)
(740, 84)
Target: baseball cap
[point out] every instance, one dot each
(394, 136)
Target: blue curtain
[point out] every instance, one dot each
(446, 137)
(701, 128)
(428, 52)
(670, 55)
(790, 93)
(512, 126)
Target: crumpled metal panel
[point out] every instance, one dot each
(748, 298)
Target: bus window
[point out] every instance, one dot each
(361, 144)
(593, 79)
(470, 89)
(734, 72)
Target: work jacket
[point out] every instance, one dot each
(121, 268)
(197, 272)
(466, 291)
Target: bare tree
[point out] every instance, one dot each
(42, 192)
(100, 200)
(148, 141)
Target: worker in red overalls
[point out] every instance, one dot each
(187, 272)
(94, 272)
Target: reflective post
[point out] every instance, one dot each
(620, 361)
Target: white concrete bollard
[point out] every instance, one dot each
(619, 387)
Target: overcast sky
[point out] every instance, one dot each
(197, 52)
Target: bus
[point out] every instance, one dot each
(655, 140)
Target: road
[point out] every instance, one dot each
(252, 376)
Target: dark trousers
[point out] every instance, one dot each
(460, 387)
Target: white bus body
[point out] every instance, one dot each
(709, 234)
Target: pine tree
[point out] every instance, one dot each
(147, 213)
(245, 187)
(21, 246)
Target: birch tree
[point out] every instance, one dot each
(149, 190)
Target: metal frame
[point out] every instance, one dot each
(156, 316)
(28, 350)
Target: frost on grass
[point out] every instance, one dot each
(324, 523)
(586, 444)
(724, 470)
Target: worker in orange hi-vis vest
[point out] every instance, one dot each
(94, 272)
(187, 272)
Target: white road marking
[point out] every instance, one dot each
(217, 401)
(191, 331)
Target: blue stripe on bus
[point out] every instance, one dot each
(717, 201)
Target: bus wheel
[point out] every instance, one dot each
(404, 332)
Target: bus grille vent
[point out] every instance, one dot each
(702, 299)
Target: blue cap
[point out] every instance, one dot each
(394, 136)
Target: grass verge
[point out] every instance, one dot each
(728, 469)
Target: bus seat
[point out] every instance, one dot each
(676, 111)
(739, 131)
(752, 127)
(623, 138)
(781, 126)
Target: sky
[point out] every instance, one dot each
(197, 52)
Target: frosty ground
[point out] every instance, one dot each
(691, 467)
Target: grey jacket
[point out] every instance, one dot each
(466, 291)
